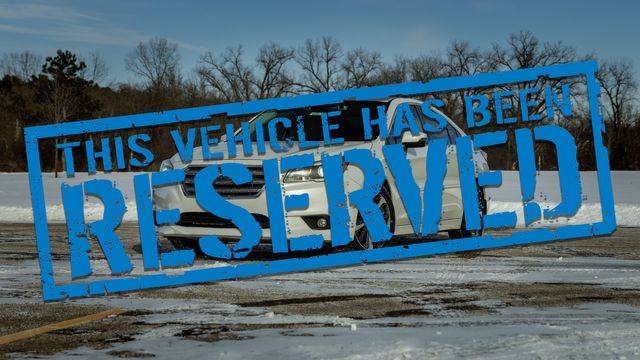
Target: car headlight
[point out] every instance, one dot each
(166, 165)
(313, 173)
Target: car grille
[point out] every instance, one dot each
(223, 185)
(203, 219)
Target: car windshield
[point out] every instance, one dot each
(349, 120)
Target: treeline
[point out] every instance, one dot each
(66, 87)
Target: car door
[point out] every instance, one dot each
(451, 196)
(451, 205)
(415, 155)
(452, 191)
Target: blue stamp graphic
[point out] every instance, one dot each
(344, 170)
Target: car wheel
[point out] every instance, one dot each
(463, 232)
(361, 238)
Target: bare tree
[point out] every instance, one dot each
(524, 50)
(360, 67)
(231, 80)
(425, 67)
(395, 72)
(422, 68)
(22, 65)
(274, 78)
(157, 62)
(462, 59)
(97, 68)
(619, 88)
(195, 90)
(320, 62)
(620, 91)
(227, 75)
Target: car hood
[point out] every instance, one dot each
(269, 153)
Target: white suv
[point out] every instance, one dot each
(195, 222)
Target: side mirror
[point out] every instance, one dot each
(413, 141)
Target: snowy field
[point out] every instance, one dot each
(492, 330)
(16, 201)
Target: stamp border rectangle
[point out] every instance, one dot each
(52, 291)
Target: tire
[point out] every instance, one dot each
(361, 238)
(463, 232)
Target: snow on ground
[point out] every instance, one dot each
(556, 333)
(625, 193)
(15, 205)
(593, 330)
(16, 200)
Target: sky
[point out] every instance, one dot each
(608, 29)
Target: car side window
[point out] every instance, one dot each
(415, 111)
(393, 139)
(425, 120)
(438, 135)
(453, 134)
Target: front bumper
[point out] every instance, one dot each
(172, 197)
